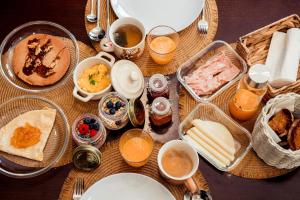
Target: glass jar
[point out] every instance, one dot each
(161, 112)
(250, 91)
(158, 87)
(113, 111)
(88, 129)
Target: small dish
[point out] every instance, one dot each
(36, 27)
(88, 129)
(19, 167)
(201, 57)
(100, 58)
(209, 111)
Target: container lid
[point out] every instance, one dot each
(259, 76)
(161, 106)
(127, 79)
(86, 157)
(136, 112)
(158, 82)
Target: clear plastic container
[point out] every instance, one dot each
(201, 57)
(208, 111)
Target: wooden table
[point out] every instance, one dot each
(236, 17)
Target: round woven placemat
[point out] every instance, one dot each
(113, 163)
(62, 96)
(251, 166)
(191, 41)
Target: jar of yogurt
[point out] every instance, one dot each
(113, 111)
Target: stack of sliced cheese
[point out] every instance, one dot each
(212, 139)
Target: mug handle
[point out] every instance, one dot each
(106, 56)
(78, 96)
(191, 185)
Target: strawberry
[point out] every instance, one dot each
(93, 132)
(83, 129)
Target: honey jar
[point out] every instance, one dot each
(161, 112)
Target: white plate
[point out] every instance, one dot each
(127, 186)
(177, 14)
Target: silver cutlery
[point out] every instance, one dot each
(97, 33)
(78, 189)
(92, 17)
(199, 195)
(106, 44)
(203, 24)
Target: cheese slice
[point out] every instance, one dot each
(208, 148)
(203, 151)
(216, 149)
(216, 132)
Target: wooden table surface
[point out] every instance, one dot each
(236, 17)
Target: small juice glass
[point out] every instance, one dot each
(162, 41)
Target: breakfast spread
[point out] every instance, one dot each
(283, 57)
(214, 140)
(27, 134)
(209, 77)
(41, 59)
(88, 129)
(95, 78)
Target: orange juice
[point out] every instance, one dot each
(136, 147)
(163, 49)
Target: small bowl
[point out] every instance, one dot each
(21, 32)
(135, 133)
(19, 167)
(97, 141)
(209, 111)
(100, 58)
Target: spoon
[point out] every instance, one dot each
(199, 195)
(92, 17)
(97, 33)
(106, 44)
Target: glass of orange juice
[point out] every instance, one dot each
(136, 147)
(162, 41)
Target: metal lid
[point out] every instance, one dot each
(161, 106)
(258, 76)
(136, 112)
(158, 82)
(86, 157)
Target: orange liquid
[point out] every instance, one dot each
(162, 49)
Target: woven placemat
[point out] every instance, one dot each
(62, 96)
(191, 41)
(113, 163)
(251, 166)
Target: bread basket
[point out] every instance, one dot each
(265, 146)
(254, 48)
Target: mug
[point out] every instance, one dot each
(100, 58)
(131, 52)
(191, 152)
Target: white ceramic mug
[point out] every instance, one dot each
(191, 152)
(100, 58)
(131, 52)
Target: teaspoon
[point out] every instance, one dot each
(106, 44)
(92, 17)
(97, 33)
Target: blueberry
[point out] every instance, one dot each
(87, 120)
(112, 111)
(118, 104)
(109, 104)
(96, 126)
(93, 120)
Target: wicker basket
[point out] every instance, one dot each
(254, 48)
(265, 147)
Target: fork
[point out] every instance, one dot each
(78, 189)
(202, 24)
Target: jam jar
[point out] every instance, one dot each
(88, 129)
(158, 87)
(113, 111)
(161, 112)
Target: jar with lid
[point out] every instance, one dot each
(250, 91)
(88, 129)
(158, 87)
(161, 112)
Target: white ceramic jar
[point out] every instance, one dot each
(100, 58)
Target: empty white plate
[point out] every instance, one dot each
(127, 186)
(177, 14)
